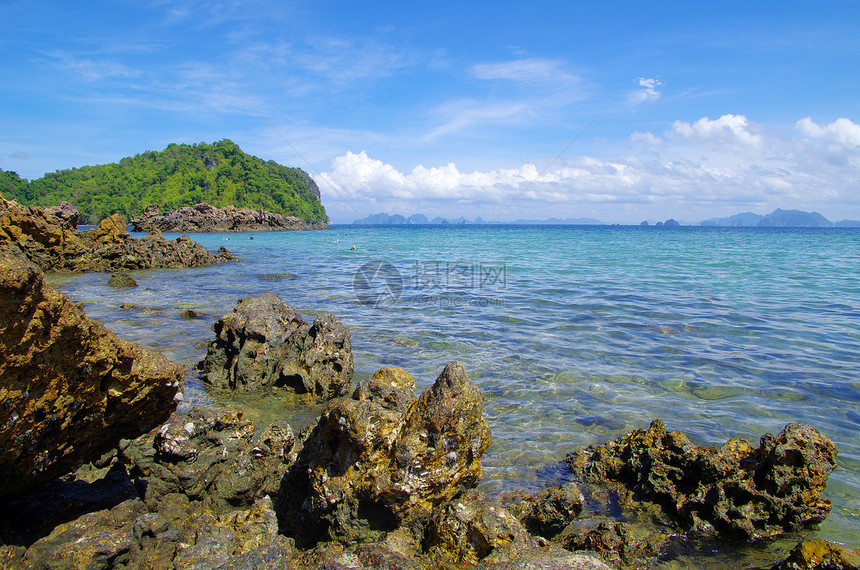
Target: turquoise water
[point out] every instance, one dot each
(575, 334)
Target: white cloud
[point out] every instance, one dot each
(646, 137)
(532, 70)
(462, 116)
(705, 168)
(841, 131)
(649, 91)
(728, 129)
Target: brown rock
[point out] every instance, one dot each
(70, 389)
(203, 218)
(264, 343)
(471, 528)
(820, 555)
(737, 490)
(209, 456)
(385, 458)
(48, 238)
(548, 512)
(121, 280)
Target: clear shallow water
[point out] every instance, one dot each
(575, 334)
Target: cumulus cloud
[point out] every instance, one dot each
(728, 129)
(841, 131)
(704, 168)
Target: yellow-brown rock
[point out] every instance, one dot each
(69, 388)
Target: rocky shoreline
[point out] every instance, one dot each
(204, 218)
(49, 238)
(98, 470)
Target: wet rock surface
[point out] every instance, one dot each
(820, 555)
(265, 344)
(70, 390)
(206, 218)
(737, 490)
(385, 459)
(48, 238)
(209, 456)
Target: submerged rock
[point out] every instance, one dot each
(265, 343)
(383, 458)
(70, 390)
(203, 217)
(736, 490)
(820, 555)
(121, 280)
(49, 239)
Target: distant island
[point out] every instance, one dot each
(181, 175)
(779, 218)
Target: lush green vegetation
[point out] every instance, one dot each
(12, 186)
(180, 175)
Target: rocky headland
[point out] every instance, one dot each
(204, 218)
(49, 238)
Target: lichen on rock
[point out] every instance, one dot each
(384, 459)
(737, 490)
(70, 390)
(265, 344)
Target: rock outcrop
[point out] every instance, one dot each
(48, 237)
(737, 490)
(209, 456)
(265, 344)
(70, 390)
(204, 218)
(384, 459)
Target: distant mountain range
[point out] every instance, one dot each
(779, 218)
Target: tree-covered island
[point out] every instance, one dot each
(219, 174)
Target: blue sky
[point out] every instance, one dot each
(620, 111)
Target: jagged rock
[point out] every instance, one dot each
(265, 343)
(121, 280)
(548, 512)
(203, 217)
(385, 458)
(737, 490)
(190, 314)
(70, 390)
(48, 237)
(473, 527)
(209, 456)
(820, 555)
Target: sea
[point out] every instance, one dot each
(575, 334)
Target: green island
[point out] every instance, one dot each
(220, 174)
